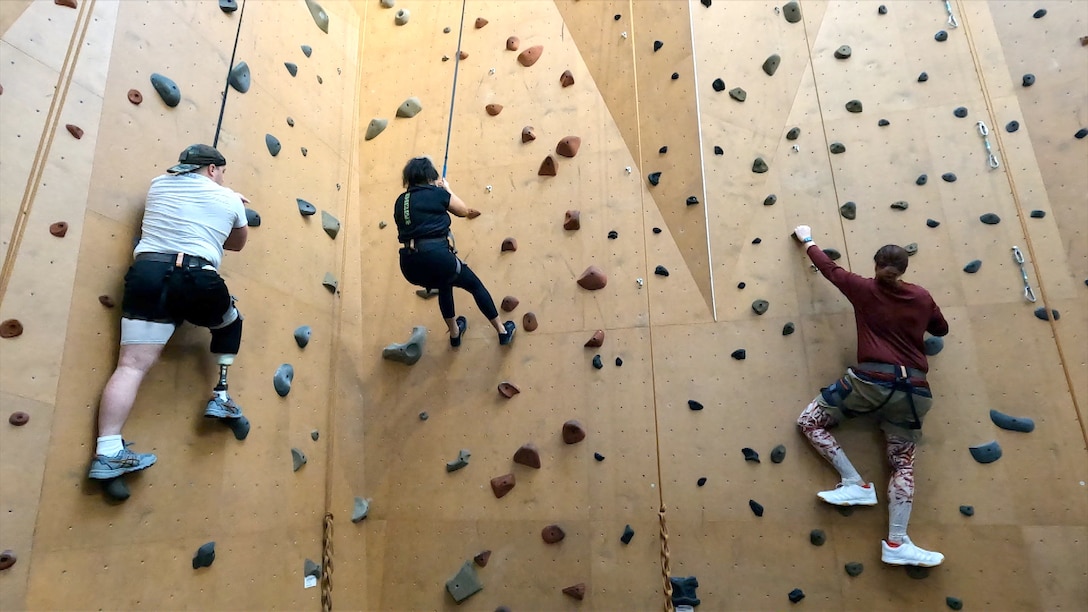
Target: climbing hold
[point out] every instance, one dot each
(382, 224)
(501, 485)
(940, 36)
(883, 123)
(663, 150)
(832, 254)
(460, 462)
(552, 534)
(932, 223)
(167, 89)
(706, 3)
(619, 362)
(701, 481)
(106, 301)
(239, 77)
(796, 595)
(843, 52)
(922, 179)
(956, 603)
(793, 133)
(509, 303)
(854, 106)
(718, 85)
(19, 418)
(290, 122)
(411, 350)
(307, 50)
(547, 167)
(577, 591)
(923, 77)
(778, 454)
(598, 456)
(282, 379)
(528, 455)
(718, 150)
(854, 568)
(509, 244)
(597, 340)
(1012, 423)
(986, 453)
(409, 108)
(967, 510)
(597, 363)
(375, 127)
(657, 230)
(291, 68)
(691, 201)
(917, 572)
(508, 389)
(480, 22)
(573, 432)
(568, 147)
(657, 45)
(849, 211)
(530, 56)
(360, 509)
(683, 590)
(759, 166)
(302, 335)
(739, 355)
(493, 109)
(116, 489)
(750, 454)
(1081, 133)
(617, 16)
(321, 18)
(529, 322)
(298, 459)
(228, 6)
(204, 556)
(305, 208)
(770, 65)
(1037, 214)
(314, 435)
(788, 328)
(760, 306)
(837, 147)
(738, 94)
(482, 558)
(900, 205)
(463, 55)
(933, 345)
(592, 278)
(304, 151)
(948, 177)
(74, 130)
(694, 405)
(572, 220)
(309, 568)
(817, 537)
(628, 533)
(756, 507)
(330, 224)
(973, 266)
(960, 111)
(1012, 126)
(512, 43)
(990, 219)
(566, 79)
(135, 96)
(882, 10)
(59, 229)
(1028, 80)
(661, 271)
(791, 11)
(654, 178)
(273, 144)
(675, 75)
(527, 134)
(613, 234)
(402, 16)
(464, 584)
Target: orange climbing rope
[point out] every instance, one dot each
(326, 565)
(666, 564)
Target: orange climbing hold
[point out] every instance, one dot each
(493, 109)
(530, 56)
(59, 229)
(74, 130)
(593, 278)
(480, 22)
(513, 43)
(547, 167)
(597, 340)
(527, 134)
(566, 79)
(568, 147)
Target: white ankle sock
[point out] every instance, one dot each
(222, 395)
(110, 446)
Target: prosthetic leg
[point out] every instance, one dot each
(226, 340)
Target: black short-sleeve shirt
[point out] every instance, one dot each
(421, 212)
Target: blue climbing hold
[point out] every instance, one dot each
(1012, 423)
(986, 453)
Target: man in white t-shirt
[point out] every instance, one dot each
(189, 219)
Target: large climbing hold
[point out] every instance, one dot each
(547, 167)
(566, 79)
(986, 453)
(464, 584)
(375, 127)
(577, 591)
(654, 178)
(298, 459)
(530, 56)
(239, 77)
(683, 591)
(568, 147)
(410, 351)
(1012, 423)
(167, 89)
(302, 335)
(501, 485)
(759, 166)
(205, 556)
(253, 218)
(528, 455)
(573, 432)
(597, 340)
(321, 18)
(273, 144)
(292, 68)
(409, 108)
(592, 278)
(282, 379)
(792, 12)
(330, 224)
(360, 509)
(760, 306)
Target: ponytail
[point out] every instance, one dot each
(891, 263)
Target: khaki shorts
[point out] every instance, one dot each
(851, 396)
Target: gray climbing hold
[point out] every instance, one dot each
(883, 123)
(239, 77)
(849, 211)
(321, 18)
(843, 52)
(408, 352)
(461, 461)
(948, 177)
(955, 603)
(739, 354)
(282, 379)
(923, 77)
(307, 50)
(778, 454)
(986, 453)
(228, 6)
(917, 572)
(309, 568)
(911, 249)
(314, 434)
(932, 223)
(292, 68)
(788, 329)
(760, 306)
(738, 94)
(305, 208)
(757, 508)
(402, 16)
(628, 533)
(933, 345)
(375, 127)
(960, 111)
(167, 89)
(1028, 80)
(854, 106)
(837, 147)
(273, 144)
(940, 36)
(922, 179)
(718, 85)
(1012, 126)
(750, 454)
(330, 224)
(792, 12)
(759, 166)
(298, 459)
(770, 65)
(793, 133)
(817, 537)
(854, 568)
(304, 150)
(361, 509)
(882, 10)
(409, 108)
(770, 200)
(302, 335)
(253, 218)
(389, 3)
(990, 219)
(423, 416)
(973, 266)
(1012, 423)
(290, 122)
(654, 178)
(967, 510)
(465, 584)
(832, 254)
(900, 205)
(238, 426)
(205, 556)
(1037, 214)
(116, 489)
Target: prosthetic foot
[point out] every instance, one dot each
(222, 407)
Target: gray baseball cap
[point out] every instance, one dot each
(197, 156)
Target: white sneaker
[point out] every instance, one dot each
(850, 495)
(909, 554)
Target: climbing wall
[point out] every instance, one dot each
(689, 374)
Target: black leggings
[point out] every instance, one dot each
(437, 268)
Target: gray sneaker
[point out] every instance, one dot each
(222, 409)
(104, 468)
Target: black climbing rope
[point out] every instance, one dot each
(226, 83)
(453, 95)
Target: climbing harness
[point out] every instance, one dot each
(951, 16)
(901, 383)
(985, 133)
(1018, 257)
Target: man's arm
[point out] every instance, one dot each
(237, 239)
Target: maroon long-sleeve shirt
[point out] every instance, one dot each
(891, 321)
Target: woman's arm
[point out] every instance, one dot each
(457, 205)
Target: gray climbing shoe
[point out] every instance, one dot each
(222, 409)
(508, 337)
(104, 468)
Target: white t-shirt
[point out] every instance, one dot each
(189, 213)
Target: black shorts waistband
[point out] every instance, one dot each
(180, 260)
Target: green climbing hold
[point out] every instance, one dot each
(273, 144)
(738, 94)
(760, 306)
(817, 537)
(832, 254)
(375, 127)
(849, 211)
(788, 328)
(792, 12)
(854, 568)
(759, 166)
(911, 248)
(837, 147)
(793, 133)
(239, 77)
(854, 106)
(330, 282)
(409, 108)
(465, 584)
(901, 205)
(330, 224)
(990, 219)
(954, 603)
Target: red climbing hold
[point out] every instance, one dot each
(493, 109)
(530, 56)
(508, 389)
(552, 534)
(528, 455)
(593, 278)
(509, 303)
(566, 79)
(577, 591)
(463, 55)
(7, 559)
(597, 340)
(568, 147)
(573, 432)
(74, 130)
(572, 220)
(482, 558)
(19, 418)
(11, 328)
(135, 96)
(528, 322)
(509, 244)
(106, 301)
(512, 43)
(527, 134)
(59, 229)
(501, 485)
(68, 3)
(480, 22)
(547, 167)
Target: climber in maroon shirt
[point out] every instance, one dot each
(888, 383)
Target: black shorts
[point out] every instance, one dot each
(162, 293)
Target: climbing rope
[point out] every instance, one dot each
(666, 564)
(453, 94)
(326, 565)
(226, 85)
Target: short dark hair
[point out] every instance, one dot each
(419, 171)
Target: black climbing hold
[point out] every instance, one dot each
(694, 405)
(612, 235)
(654, 178)
(760, 306)
(917, 572)
(1012, 126)
(1040, 313)
(619, 362)
(756, 507)
(166, 88)
(228, 6)
(986, 453)
(253, 218)
(302, 335)
(796, 595)
(793, 133)
(1012, 423)
(1028, 80)
(617, 17)
(741, 285)
(738, 94)
(837, 147)
(854, 568)
(292, 68)
(900, 205)
(1039, 14)
(597, 363)
(657, 45)
(1081, 133)
(832, 254)
(770, 200)
(675, 75)
(921, 180)
(273, 144)
(1038, 214)
(718, 85)
(692, 201)
(757, 240)
(948, 177)
(628, 533)
(967, 510)
(941, 36)
(922, 78)
(961, 112)
(718, 150)
(973, 266)
(788, 328)
(239, 77)
(759, 166)
(204, 556)
(657, 230)
(883, 123)
(882, 10)
(319, 81)
(282, 379)
(791, 11)
(305, 208)
(598, 456)
(854, 106)
(778, 454)
(990, 219)
(933, 345)
(817, 537)
(663, 150)
(661, 271)
(701, 481)
(706, 3)
(750, 454)
(932, 222)
(956, 603)
(739, 355)
(423, 416)
(843, 52)
(683, 591)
